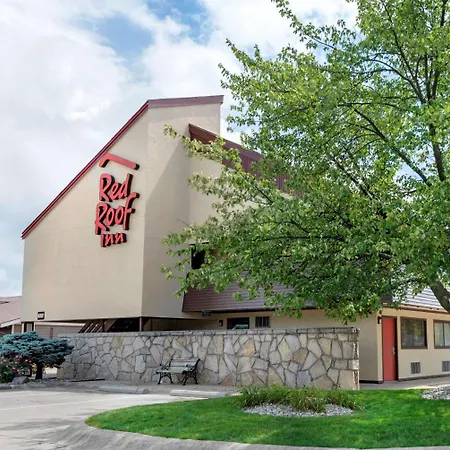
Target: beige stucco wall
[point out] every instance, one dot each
(170, 203)
(430, 358)
(66, 272)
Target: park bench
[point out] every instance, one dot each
(187, 367)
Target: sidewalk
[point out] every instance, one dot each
(426, 383)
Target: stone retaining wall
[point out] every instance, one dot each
(322, 357)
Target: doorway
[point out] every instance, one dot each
(389, 331)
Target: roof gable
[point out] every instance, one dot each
(152, 104)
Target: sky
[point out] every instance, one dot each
(73, 72)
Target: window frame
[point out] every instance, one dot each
(262, 318)
(242, 319)
(434, 334)
(408, 347)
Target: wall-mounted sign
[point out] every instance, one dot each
(111, 190)
(40, 315)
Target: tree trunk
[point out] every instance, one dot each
(39, 371)
(442, 294)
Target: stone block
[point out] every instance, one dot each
(92, 372)
(317, 369)
(339, 364)
(293, 342)
(333, 374)
(140, 365)
(224, 371)
(138, 343)
(309, 361)
(230, 380)
(348, 350)
(285, 351)
(303, 378)
(280, 371)
(260, 364)
(246, 379)
(17, 381)
(135, 377)
(353, 364)
(303, 339)
(348, 380)
(209, 377)
(127, 350)
(325, 345)
(114, 368)
(314, 347)
(244, 364)
(273, 345)
(273, 377)
(324, 382)
(212, 363)
(262, 375)
(126, 367)
(231, 361)
(300, 356)
(326, 361)
(290, 378)
(336, 350)
(248, 349)
(205, 341)
(342, 336)
(264, 350)
(274, 357)
(124, 376)
(228, 345)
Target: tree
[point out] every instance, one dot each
(40, 351)
(357, 123)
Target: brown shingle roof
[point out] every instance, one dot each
(9, 309)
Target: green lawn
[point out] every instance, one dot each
(388, 419)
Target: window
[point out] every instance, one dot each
(197, 258)
(441, 334)
(262, 322)
(238, 323)
(414, 333)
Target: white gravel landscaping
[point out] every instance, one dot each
(440, 393)
(277, 410)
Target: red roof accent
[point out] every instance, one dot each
(156, 103)
(247, 157)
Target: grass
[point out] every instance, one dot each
(305, 399)
(386, 419)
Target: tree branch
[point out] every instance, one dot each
(442, 294)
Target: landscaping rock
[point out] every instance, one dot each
(19, 381)
(272, 409)
(441, 393)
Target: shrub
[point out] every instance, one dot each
(303, 399)
(13, 367)
(42, 352)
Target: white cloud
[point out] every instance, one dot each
(64, 90)
(3, 276)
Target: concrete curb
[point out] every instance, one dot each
(82, 437)
(198, 394)
(117, 389)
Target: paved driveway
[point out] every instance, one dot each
(30, 419)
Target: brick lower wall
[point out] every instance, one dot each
(322, 357)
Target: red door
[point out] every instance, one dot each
(389, 348)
